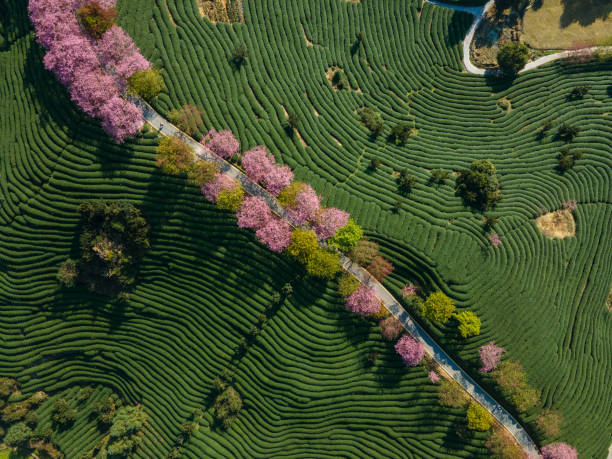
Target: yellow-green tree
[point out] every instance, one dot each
(303, 245)
(146, 84)
(173, 155)
(478, 417)
(438, 307)
(347, 236)
(323, 264)
(230, 199)
(469, 324)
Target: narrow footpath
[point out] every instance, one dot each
(432, 348)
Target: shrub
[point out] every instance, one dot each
(146, 84)
(559, 451)
(339, 80)
(409, 290)
(495, 240)
(512, 57)
(347, 236)
(390, 328)
(105, 410)
(231, 198)
(202, 172)
(451, 394)
(410, 350)
(490, 356)
(401, 133)
(579, 92)
(18, 435)
(293, 120)
(438, 175)
(227, 406)
(7, 387)
(380, 268)
(303, 246)
(490, 221)
(240, 55)
(397, 206)
(329, 221)
(347, 284)
(62, 413)
(478, 417)
(363, 301)
(363, 252)
(67, 273)
(549, 423)
(438, 307)
(433, 377)
(479, 185)
(174, 156)
(375, 163)
(188, 118)
(95, 19)
(469, 324)
(324, 264)
(371, 119)
(406, 181)
(567, 159)
(222, 143)
(567, 132)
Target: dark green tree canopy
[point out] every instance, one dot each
(512, 57)
(479, 185)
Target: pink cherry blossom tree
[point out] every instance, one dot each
(409, 290)
(256, 163)
(559, 451)
(220, 182)
(276, 234)
(277, 178)
(120, 118)
(490, 355)
(222, 143)
(306, 206)
(433, 377)
(119, 55)
(329, 221)
(253, 213)
(495, 240)
(410, 350)
(363, 301)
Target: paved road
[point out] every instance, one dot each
(480, 12)
(432, 348)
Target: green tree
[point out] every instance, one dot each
(512, 57)
(438, 307)
(62, 413)
(451, 394)
(18, 435)
(469, 323)
(324, 264)
(240, 55)
(363, 252)
(347, 284)
(479, 185)
(202, 172)
(371, 119)
(67, 273)
(406, 181)
(231, 199)
(174, 156)
(478, 417)
(303, 245)
(439, 175)
(146, 84)
(401, 133)
(188, 118)
(567, 132)
(347, 236)
(95, 19)
(227, 406)
(288, 195)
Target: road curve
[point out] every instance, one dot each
(480, 13)
(453, 369)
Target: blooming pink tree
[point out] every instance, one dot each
(222, 143)
(559, 451)
(277, 178)
(276, 234)
(433, 377)
(120, 118)
(490, 355)
(119, 55)
(410, 350)
(220, 182)
(495, 240)
(253, 213)
(363, 301)
(329, 221)
(306, 206)
(261, 167)
(409, 290)
(391, 328)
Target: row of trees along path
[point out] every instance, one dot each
(447, 364)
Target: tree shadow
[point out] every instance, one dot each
(584, 12)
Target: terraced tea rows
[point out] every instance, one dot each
(409, 68)
(202, 286)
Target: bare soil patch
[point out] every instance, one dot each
(557, 224)
(221, 10)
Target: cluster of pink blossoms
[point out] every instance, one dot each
(220, 182)
(329, 221)
(409, 290)
(93, 71)
(363, 301)
(495, 240)
(276, 234)
(433, 377)
(490, 355)
(306, 206)
(559, 451)
(261, 167)
(222, 143)
(410, 350)
(270, 230)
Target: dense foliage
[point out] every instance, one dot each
(438, 307)
(95, 19)
(512, 57)
(469, 323)
(479, 185)
(174, 156)
(410, 350)
(478, 417)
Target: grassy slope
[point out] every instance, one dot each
(549, 308)
(202, 286)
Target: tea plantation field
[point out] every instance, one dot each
(542, 299)
(306, 387)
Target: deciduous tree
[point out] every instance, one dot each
(490, 356)
(363, 301)
(469, 323)
(410, 350)
(188, 118)
(559, 451)
(347, 236)
(324, 264)
(438, 307)
(478, 417)
(380, 268)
